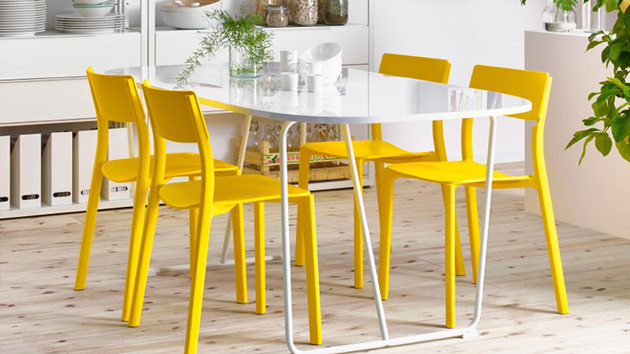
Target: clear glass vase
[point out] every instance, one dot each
(558, 20)
(241, 65)
(593, 20)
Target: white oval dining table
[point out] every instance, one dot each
(358, 97)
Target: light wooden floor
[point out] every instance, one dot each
(40, 313)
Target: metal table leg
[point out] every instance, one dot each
(468, 331)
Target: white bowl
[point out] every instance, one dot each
(94, 11)
(329, 54)
(185, 17)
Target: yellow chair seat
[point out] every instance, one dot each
(177, 165)
(363, 150)
(228, 191)
(453, 172)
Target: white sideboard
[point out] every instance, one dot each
(592, 195)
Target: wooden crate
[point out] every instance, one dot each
(267, 163)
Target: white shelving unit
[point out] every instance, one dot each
(43, 85)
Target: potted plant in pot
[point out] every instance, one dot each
(610, 124)
(248, 44)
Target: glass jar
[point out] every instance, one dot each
(253, 141)
(593, 20)
(260, 7)
(558, 20)
(336, 12)
(241, 65)
(303, 12)
(277, 16)
(321, 9)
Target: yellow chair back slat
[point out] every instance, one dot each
(532, 85)
(115, 97)
(420, 68)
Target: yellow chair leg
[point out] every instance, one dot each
(385, 213)
(135, 242)
(460, 269)
(473, 228)
(553, 249)
(450, 254)
(197, 285)
(259, 241)
(303, 179)
(312, 272)
(193, 215)
(240, 270)
(88, 227)
(148, 234)
(379, 170)
(358, 234)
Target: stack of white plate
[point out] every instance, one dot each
(22, 17)
(75, 23)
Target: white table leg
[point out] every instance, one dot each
(367, 242)
(240, 163)
(468, 331)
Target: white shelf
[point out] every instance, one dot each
(59, 34)
(70, 208)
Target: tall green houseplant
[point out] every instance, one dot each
(610, 123)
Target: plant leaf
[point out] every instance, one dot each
(624, 149)
(621, 128)
(590, 121)
(588, 140)
(603, 143)
(581, 135)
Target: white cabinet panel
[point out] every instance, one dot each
(46, 100)
(50, 56)
(173, 47)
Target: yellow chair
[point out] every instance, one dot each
(116, 99)
(176, 116)
(379, 151)
(534, 86)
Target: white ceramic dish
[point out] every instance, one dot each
(94, 11)
(329, 54)
(186, 17)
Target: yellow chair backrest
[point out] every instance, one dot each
(420, 68)
(532, 85)
(116, 99)
(176, 116)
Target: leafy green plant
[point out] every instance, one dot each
(240, 32)
(611, 104)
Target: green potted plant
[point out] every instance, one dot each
(248, 44)
(610, 123)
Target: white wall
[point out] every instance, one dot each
(467, 32)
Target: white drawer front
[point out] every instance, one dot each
(63, 56)
(46, 100)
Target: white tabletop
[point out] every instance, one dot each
(358, 97)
